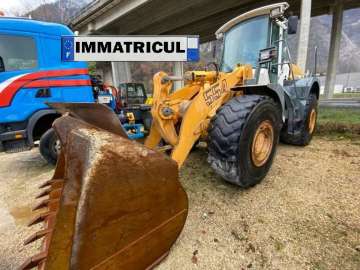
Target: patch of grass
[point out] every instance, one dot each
(339, 115)
(339, 123)
(334, 136)
(317, 265)
(356, 258)
(347, 95)
(278, 245)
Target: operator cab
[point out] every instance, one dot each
(258, 38)
(132, 93)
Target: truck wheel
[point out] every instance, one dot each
(49, 146)
(308, 126)
(147, 123)
(243, 136)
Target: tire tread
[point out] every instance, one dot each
(225, 131)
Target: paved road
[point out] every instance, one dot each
(341, 103)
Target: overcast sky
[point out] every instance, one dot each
(14, 6)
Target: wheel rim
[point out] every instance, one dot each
(312, 121)
(57, 146)
(262, 143)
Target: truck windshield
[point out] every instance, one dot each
(243, 43)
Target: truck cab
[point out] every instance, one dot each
(32, 74)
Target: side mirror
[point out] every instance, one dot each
(217, 50)
(2, 65)
(292, 24)
(214, 50)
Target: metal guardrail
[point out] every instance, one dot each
(340, 103)
(83, 10)
(86, 10)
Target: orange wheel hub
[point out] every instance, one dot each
(312, 121)
(262, 143)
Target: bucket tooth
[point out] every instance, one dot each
(53, 193)
(43, 193)
(37, 236)
(34, 261)
(41, 204)
(45, 184)
(51, 204)
(54, 183)
(40, 218)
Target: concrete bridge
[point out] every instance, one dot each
(202, 17)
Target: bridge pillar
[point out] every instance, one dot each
(178, 72)
(336, 31)
(303, 45)
(120, 72)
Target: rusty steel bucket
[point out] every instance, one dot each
(112, 203)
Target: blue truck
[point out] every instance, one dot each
(32, 75)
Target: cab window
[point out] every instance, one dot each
(131, 91)
(139, 89)
(18, 52)
(244, 41)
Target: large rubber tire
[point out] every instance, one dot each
(49, 146)
(231, 135)
(305, 136)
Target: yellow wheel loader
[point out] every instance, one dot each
(117, 204)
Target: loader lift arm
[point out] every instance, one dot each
(192, 106)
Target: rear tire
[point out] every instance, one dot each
(49, 146)
(233, 136)
(308, 126)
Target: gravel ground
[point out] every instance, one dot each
(304, 215)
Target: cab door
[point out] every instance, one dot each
(19, 54)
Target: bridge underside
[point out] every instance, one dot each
(202, 17)
(199, 17)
